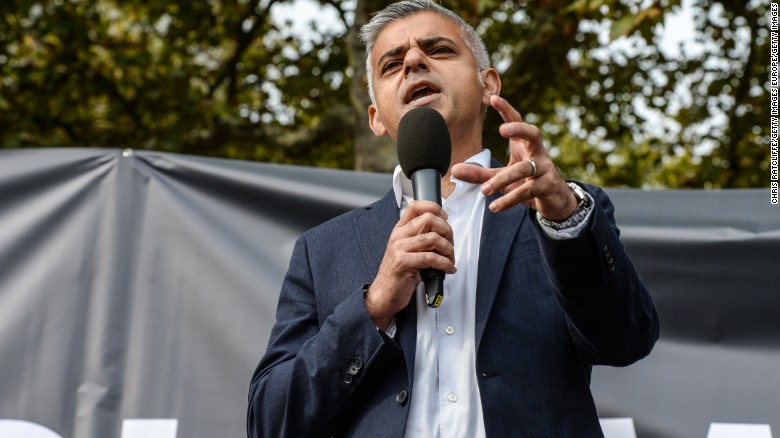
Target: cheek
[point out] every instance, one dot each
(391, 125)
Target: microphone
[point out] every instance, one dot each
(424, 150)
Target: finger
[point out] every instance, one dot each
(508, 176)
(521, 195)
(472, 173)
(505, 109)
(419, 208)
(424, 260)
(438, 239)
(526, 139)
(430, 242)
(426, 223)
(521, 131)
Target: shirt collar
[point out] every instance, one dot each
(402, 186)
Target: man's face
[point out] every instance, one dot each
(421, 60)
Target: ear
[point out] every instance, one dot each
(492, 85)
(375, 122)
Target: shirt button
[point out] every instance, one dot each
(452, 397)
(449, 330)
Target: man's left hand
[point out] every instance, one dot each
(530, 178)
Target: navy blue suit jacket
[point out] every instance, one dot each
(546, 312)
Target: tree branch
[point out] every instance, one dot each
(740, 93)
(243, 41)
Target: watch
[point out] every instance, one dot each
(584, 202)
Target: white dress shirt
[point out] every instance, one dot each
(445, 396)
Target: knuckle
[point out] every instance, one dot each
(534, 132)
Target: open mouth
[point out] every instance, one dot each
(421, 92)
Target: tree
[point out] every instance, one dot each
(615, 109)
(222, 78)
(200, 78)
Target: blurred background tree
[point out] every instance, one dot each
(224, 78)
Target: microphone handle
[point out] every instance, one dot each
(426, 184)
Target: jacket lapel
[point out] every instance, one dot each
(373, 231)
(498, 233)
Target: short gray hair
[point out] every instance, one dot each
(370, 31)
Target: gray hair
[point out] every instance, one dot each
(370, 31)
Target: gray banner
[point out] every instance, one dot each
(144, 285)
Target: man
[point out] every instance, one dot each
(538, 287)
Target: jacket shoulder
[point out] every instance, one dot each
(348, 220)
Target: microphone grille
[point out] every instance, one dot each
(423, 141)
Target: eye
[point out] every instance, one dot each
(441, 50)
(390, 66)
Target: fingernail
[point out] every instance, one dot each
(493, 207)
(487, 188)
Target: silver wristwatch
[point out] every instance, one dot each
(579, 214)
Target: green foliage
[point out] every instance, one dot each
(222, 78)
(214, 78)
(616, 110)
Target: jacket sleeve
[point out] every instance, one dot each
(610, 312)
(312, 367)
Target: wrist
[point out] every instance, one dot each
(374, 310)
(572, 204)
(577, 215)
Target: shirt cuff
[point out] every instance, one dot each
(391, 329)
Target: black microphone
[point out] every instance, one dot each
(424, 150)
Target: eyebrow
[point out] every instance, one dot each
(425, 43)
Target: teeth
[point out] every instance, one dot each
(420, 89)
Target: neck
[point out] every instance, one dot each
(459, 155)
(447, 187)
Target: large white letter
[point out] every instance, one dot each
(149, 428)
(735, 430)
(25, 429)
(618, 427)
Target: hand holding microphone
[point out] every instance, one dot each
(424, 150)
(420, 246)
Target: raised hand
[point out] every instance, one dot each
(530, 178)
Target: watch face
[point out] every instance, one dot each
(580, 194)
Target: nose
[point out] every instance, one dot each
(414, 61)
